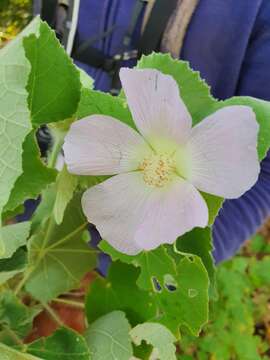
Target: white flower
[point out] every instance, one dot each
(154, 196)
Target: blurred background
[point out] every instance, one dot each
(239, 326)
(14, 15)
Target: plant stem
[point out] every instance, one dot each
(53, 314)
(181, 252)
(54, 154)
(23, 281)
(58, 140)
(76, 304)
(14, 337)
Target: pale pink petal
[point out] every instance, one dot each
(133, 216)
(156, 106)
(102, 145)
(114, 206)
(170, 213)
(223, 152)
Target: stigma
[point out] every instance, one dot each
(158, 169)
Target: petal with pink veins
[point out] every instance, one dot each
(133, 216)
(223, 152)
(158, 111)
(170, 213)
(102, 145)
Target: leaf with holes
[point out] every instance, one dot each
(155, 264)
(59, 256)
(108, 337)
(199, 242)
(185, 302)
(158, 336)
(120, 292)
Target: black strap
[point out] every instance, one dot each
(156, 26)
(88, 54)
(138, 7)
(150, 40)
(93, 57)
(48, 11)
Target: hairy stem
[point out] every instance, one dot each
(58, 140)
(76, 304)
(53, 314)
(14, 337)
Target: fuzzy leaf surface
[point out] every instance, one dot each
(12, 266)
(15, 318)
(153, 264)
(108, 337)
(63, 344)
(119, 291)
(14, 113)
(14, 236)
(158, 336)
(59, 254)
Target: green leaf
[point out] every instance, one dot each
(262, 111)
(187, 303)
(86, 81)
(85, 182)
(258, 244)
(214, 203)
(15, 318)
(194, 91)
(158, 336)
(14, 236)
(66, 184)
(14, 114)
(108, 337)
(36, 175)
(13, 266)
(119, 292)
(58, 255)
(260, 272)
(64, 344)
(44, 209)
(180, 293)
(54, 82)
(9, 353)
(96, 102)
(153, 264)
(199, 242)
(7, 215)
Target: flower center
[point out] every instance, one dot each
(158, 169)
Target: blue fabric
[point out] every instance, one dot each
(228, 41)
(97, 17)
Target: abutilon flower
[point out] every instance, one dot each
(159, 170)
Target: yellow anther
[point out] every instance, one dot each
(158, 169)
